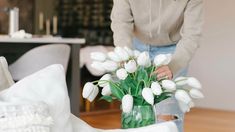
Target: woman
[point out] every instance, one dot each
(160, 26)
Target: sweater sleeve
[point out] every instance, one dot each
(122, 23)
(190, 36)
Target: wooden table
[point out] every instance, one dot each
(12, 45)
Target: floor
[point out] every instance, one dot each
(198, 120)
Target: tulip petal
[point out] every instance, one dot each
(94, 93)
(127, 103)
(182, 96)
(98, 56)
(110, 65)
(87, 90)
(114, 57)
(121, 53)
(194, 93)
(106, 77)
(169, 85)
(148, 95)
(130, 66)
(144, 59)
(156, 88)
(194, 83)
(106, 91)
(181, 81)
(121, 74)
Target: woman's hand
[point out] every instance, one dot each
(163, 72)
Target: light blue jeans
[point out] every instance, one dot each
(168, 106)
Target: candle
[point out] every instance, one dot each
(40, 21)
(48, 26)
(55, 24)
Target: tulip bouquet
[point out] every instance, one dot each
(128, 77)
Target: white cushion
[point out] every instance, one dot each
(5, 76)
(48, 86)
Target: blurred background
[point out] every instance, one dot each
(213, 63)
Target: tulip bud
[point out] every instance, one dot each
(129, 51)
(87, 90)
(130, 66)
(194, 93)
(148, 95)
(169, 85)
(110, 65)
(93, 95)
(162, 59)
(98, 66)
(106, 91)
(136, 53)
(104, 80)
(193, 82)
(182, 96)
(183, 107)
(181, 81)
(144, 59)
(127, 103)
(98, 56)
(156, 88)
(121, 74)
(121, 53)
(114, 57)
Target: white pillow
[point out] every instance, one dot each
(48, 86)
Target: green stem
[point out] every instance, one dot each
(181, 80)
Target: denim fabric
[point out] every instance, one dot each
(168, 106)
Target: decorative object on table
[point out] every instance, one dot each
(130, 79)
(21, 34)
(26, 15)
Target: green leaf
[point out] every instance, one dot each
(116, 91)
(107, 98)
(142, 75)
(162, 97)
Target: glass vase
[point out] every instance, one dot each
(139, 116)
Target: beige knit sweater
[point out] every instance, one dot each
(160, 23)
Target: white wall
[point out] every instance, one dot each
(214, 63)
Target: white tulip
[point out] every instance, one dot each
(110, 65)
(106, 91)
(183, 107)
(194, 83)
(129, 51)
(114, 57)
(87, 89)
(98, 56)
(127, 103)
(148, 95)
(98, 66)
(94, 93)
(144, 59)
(104, 80)
(194, 93)
(136, 53)
(121, 74)
(181, 81)
(169, 85)
(162, 59)
(130, 66)
(156, 88)
(122, 53)
(183, 96)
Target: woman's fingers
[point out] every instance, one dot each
(163, 72)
